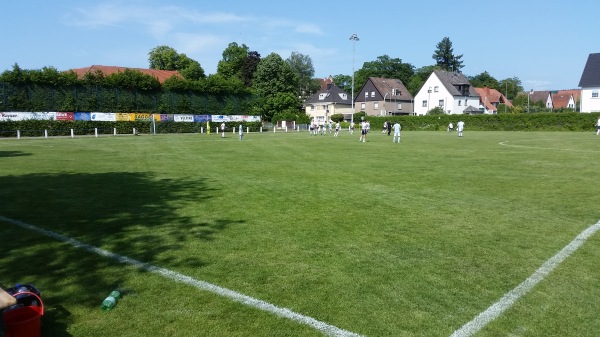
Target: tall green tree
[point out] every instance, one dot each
(384, 66)
(167, 58)
(343, 82)
(510, 87)
(274, 78)
(302, 66)
(445, 58)
(232, 63)
(484, 80)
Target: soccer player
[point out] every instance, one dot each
(397, 129)
(460, 126)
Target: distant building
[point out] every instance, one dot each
(450, 91)
(590, 84)
(160, 75)
(384, 96)
(490, 99)
(329, 101)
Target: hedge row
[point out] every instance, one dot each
(37, 128)
(568, 121)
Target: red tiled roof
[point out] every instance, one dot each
(325, 82)
(490, 96)
(562, 97)
(160, 75)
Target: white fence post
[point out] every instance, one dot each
(114, 131)
(18, 134)
(72, 134)
(96, 132)
(46, 133)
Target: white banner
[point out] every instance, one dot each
(183, 118)
(103, 116)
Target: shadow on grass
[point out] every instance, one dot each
(5, 154)
(131, 214)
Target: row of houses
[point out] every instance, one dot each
(450, 91)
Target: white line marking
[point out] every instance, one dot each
(325, 328)
(505, 143)
(512, 296)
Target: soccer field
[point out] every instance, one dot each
(288, 234)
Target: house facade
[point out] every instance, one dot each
(383, 97)
(565, 99)
(451, 91)
(590, 84)
(490, 99)
(329, 101)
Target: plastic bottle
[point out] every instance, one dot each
(111, 301)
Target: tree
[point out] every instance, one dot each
(302, 66)
(343, 82)
(232, 63)
(274, 77)
(510, 87)
(445, 58)
(249, 67)
(167, 58)
(484, 80)
(385, 67)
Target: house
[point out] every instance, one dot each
(489, 99)
(160, 75)
(451, 91)
(565, 99)
(384, 96)
(332, 100)
(590, 84)
(543, 96)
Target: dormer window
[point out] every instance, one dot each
(344, 96)
(323, 96)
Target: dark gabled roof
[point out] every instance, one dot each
(539, 96)
(591, 73)
(332, 95)
(387, 85)
(453, 79)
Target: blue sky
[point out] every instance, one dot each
(543, 43)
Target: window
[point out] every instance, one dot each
(344, 96)
(366, 94)
(399, 106)
(595, 94)
(441, 102)
(436, 89)
(376, 105)
(312, 108)
(372, 93)
(362, 106)
(424, 104)
(322, 96)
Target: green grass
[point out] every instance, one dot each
(380, 239)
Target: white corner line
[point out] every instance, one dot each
(494, 311)
(325, 328)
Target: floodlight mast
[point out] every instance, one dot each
(353, 38)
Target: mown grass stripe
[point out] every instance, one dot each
(327, 329)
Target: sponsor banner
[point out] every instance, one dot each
(10, 116)
(220, 118)
(184, 118)
(103, 116)
(236, 118)
(38, 115)
(124, 117)
(167, 117)
(65, 116)
(82, 116)
(201, 118)
(251, 118)
(138, 116)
